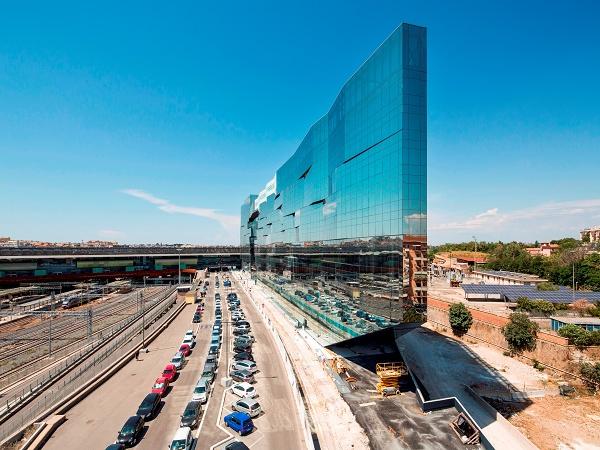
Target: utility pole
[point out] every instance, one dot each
(90, 323)
(50, 325)
(143, 320)
(179, 265)
(573, 282)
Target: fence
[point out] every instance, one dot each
(65, 379)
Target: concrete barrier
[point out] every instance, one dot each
(61, 407)
(45, 432)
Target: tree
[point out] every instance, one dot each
(581, 306)
(546, 286)
(572, 332)
(520, 333)
(591, 373)
(460, 318)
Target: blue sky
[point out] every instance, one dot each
(151, 121)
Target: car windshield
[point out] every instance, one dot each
(200, 390)
(176, 360)
(128, 428)
(168, 371)
(178, 445)
(250, 389)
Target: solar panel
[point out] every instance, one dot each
(513, 292)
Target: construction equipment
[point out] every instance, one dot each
(342, 369)
(389, 377)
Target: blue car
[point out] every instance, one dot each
(239, 422)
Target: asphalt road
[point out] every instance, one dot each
(278, 427)
(96, 421)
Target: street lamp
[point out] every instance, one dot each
(179, 265)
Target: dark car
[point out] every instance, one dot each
(213, 350)
(197, 318)
(149, 406)
(242, 348)
(191, 414)
(237, 445)
(115, 447)
(243, 376)
(243, 356)
(130, 433)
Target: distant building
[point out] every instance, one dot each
(587, 323)
(591, 234)
(544, 249)
(505, 277)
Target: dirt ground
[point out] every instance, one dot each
(556, 422)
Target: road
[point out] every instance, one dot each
(98, 418)
(279, 426)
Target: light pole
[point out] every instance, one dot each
(142, 300)
(179, 265)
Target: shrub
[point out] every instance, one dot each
(520, 332)
(591, 373)
(542, 306)
(571, 332)
(460, 318)
(547, 286)
(582, 306)
(411, 315)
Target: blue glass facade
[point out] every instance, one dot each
(348, 210)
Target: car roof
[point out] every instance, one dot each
(236, 445)
(170, 367)
(240, 415)
(244, 385)
(161, 379)
(246, 361)
(178, 354)
(151, 396)
(182, 433)
(133, 419)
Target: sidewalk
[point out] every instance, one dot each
(335, 425)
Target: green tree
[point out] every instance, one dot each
(520, 333)
(460, 318)
(591, 372)
(571, 332)
(546, 286)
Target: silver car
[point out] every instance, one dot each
(248, 406)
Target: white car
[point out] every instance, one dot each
(244, 364)
(190, 333)
(182, 440)
(201, 391)
(178, 360)
(244, 390)
(189, 341)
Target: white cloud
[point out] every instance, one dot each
(228, 222)
(329, 208)
(524, 223)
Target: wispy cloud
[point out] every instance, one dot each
(494, 218)
(227, 221)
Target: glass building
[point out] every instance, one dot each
(341, 229)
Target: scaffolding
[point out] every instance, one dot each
(389, 377)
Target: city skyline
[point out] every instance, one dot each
(166, 135)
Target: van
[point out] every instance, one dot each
(182, 440)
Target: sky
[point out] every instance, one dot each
(149, 122)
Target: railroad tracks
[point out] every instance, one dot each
(102, 350)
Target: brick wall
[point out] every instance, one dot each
(551, 350)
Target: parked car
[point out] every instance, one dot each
(160, 386)
(190, 333)
(191, 414)
(185, 349)
(217, 329)
(244, 356)
(239, 422)
(170, 372)
(189, 340)
(244, 390)
(239, 348)
(236, 445)
(209, 372)
(197, 318)
(242, 376)
(244, 365)
(215, 341)
(178, 360)
(201, 391)
(130, 433)
(182, 440)
(248, 406)
(213, 350)
(115, 447)
(149, 406)
(242, 340)
(240, 331)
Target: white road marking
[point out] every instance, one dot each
(367, 404)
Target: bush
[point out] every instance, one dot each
(591, 373)
(547, 286)
(579, 336)
(460, 318)
(542, 306)
(520, 333)
(411, 315)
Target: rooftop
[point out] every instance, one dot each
(578, 320)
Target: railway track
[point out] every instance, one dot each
(28, 351)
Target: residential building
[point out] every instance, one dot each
(591, 234)
(544, 249)
(347, 213)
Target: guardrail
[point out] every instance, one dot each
(91, 361)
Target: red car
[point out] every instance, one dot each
(160, 386)
(170, 372)
(185, 349)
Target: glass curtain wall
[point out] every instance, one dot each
(342, 227)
